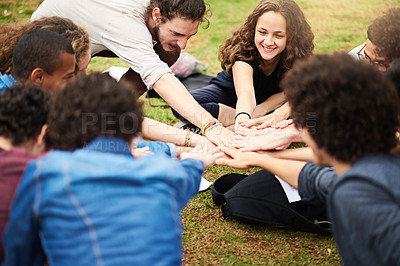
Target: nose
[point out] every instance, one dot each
(268, 40)
(182, 43)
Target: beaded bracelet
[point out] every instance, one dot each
(188, 138)
(210, 122)
(241, 113)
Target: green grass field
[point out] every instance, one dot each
(209, 239)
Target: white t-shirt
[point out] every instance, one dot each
(354, 51)
(115, 25)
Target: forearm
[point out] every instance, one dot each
(270, 104)
(177, 96)
(246, 102)
(281, 113)
(298, 154)
(155, 130)
(288, 170)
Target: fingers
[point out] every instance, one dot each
(283, 124)
(228, 162)
(263, 126)
(250, 123)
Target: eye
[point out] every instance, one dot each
(262, 32)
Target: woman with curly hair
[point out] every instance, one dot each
(78, 36)
(254, 58)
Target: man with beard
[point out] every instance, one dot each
(148, 35)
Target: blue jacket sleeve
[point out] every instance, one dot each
(189, 186)
(158, 147)
(21, 237)
(315, 182)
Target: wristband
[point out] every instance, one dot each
(210, 127)
(210, 122)
(241, 113)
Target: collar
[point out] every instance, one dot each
(109, 145)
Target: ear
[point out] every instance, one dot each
(156, 14)
(39, 140)
(37, 76)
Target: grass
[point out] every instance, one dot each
(209, 239)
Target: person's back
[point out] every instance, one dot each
(99, 206)
(90, 201)
(23, 112)
(365, 205)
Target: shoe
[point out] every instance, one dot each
(189, 126)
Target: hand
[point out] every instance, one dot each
(263, 122)
(219, 135)
(271, 139)
(259, 111)
(237, 158)
(283, 124)
(141, 152)
(207, 156)
(244, 131)
(240, 120)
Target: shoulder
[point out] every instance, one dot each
(374, 176)
(355, 50)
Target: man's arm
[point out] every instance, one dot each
(179, 98)
(155, 130)
(288, 170)
(298, 154)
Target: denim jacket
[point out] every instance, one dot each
(6, 81)
(100, 206)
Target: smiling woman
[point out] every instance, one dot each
(254, 58)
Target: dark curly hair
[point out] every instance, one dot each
(11, 33)
(39, 48)
(241, 43)
(195, 10)
(89, 107)
(384, 33)
(348, 107)
(23, 112)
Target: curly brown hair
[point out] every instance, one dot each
(23, 112)
(384, 33)
(349, 108)
(241, 43)
(89, 107)
(11, 33)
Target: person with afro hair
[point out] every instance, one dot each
(347, 112)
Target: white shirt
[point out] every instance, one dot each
(354, 51)
(115, 25)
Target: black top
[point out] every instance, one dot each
(264, 86)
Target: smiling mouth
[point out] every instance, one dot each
(268, 49)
